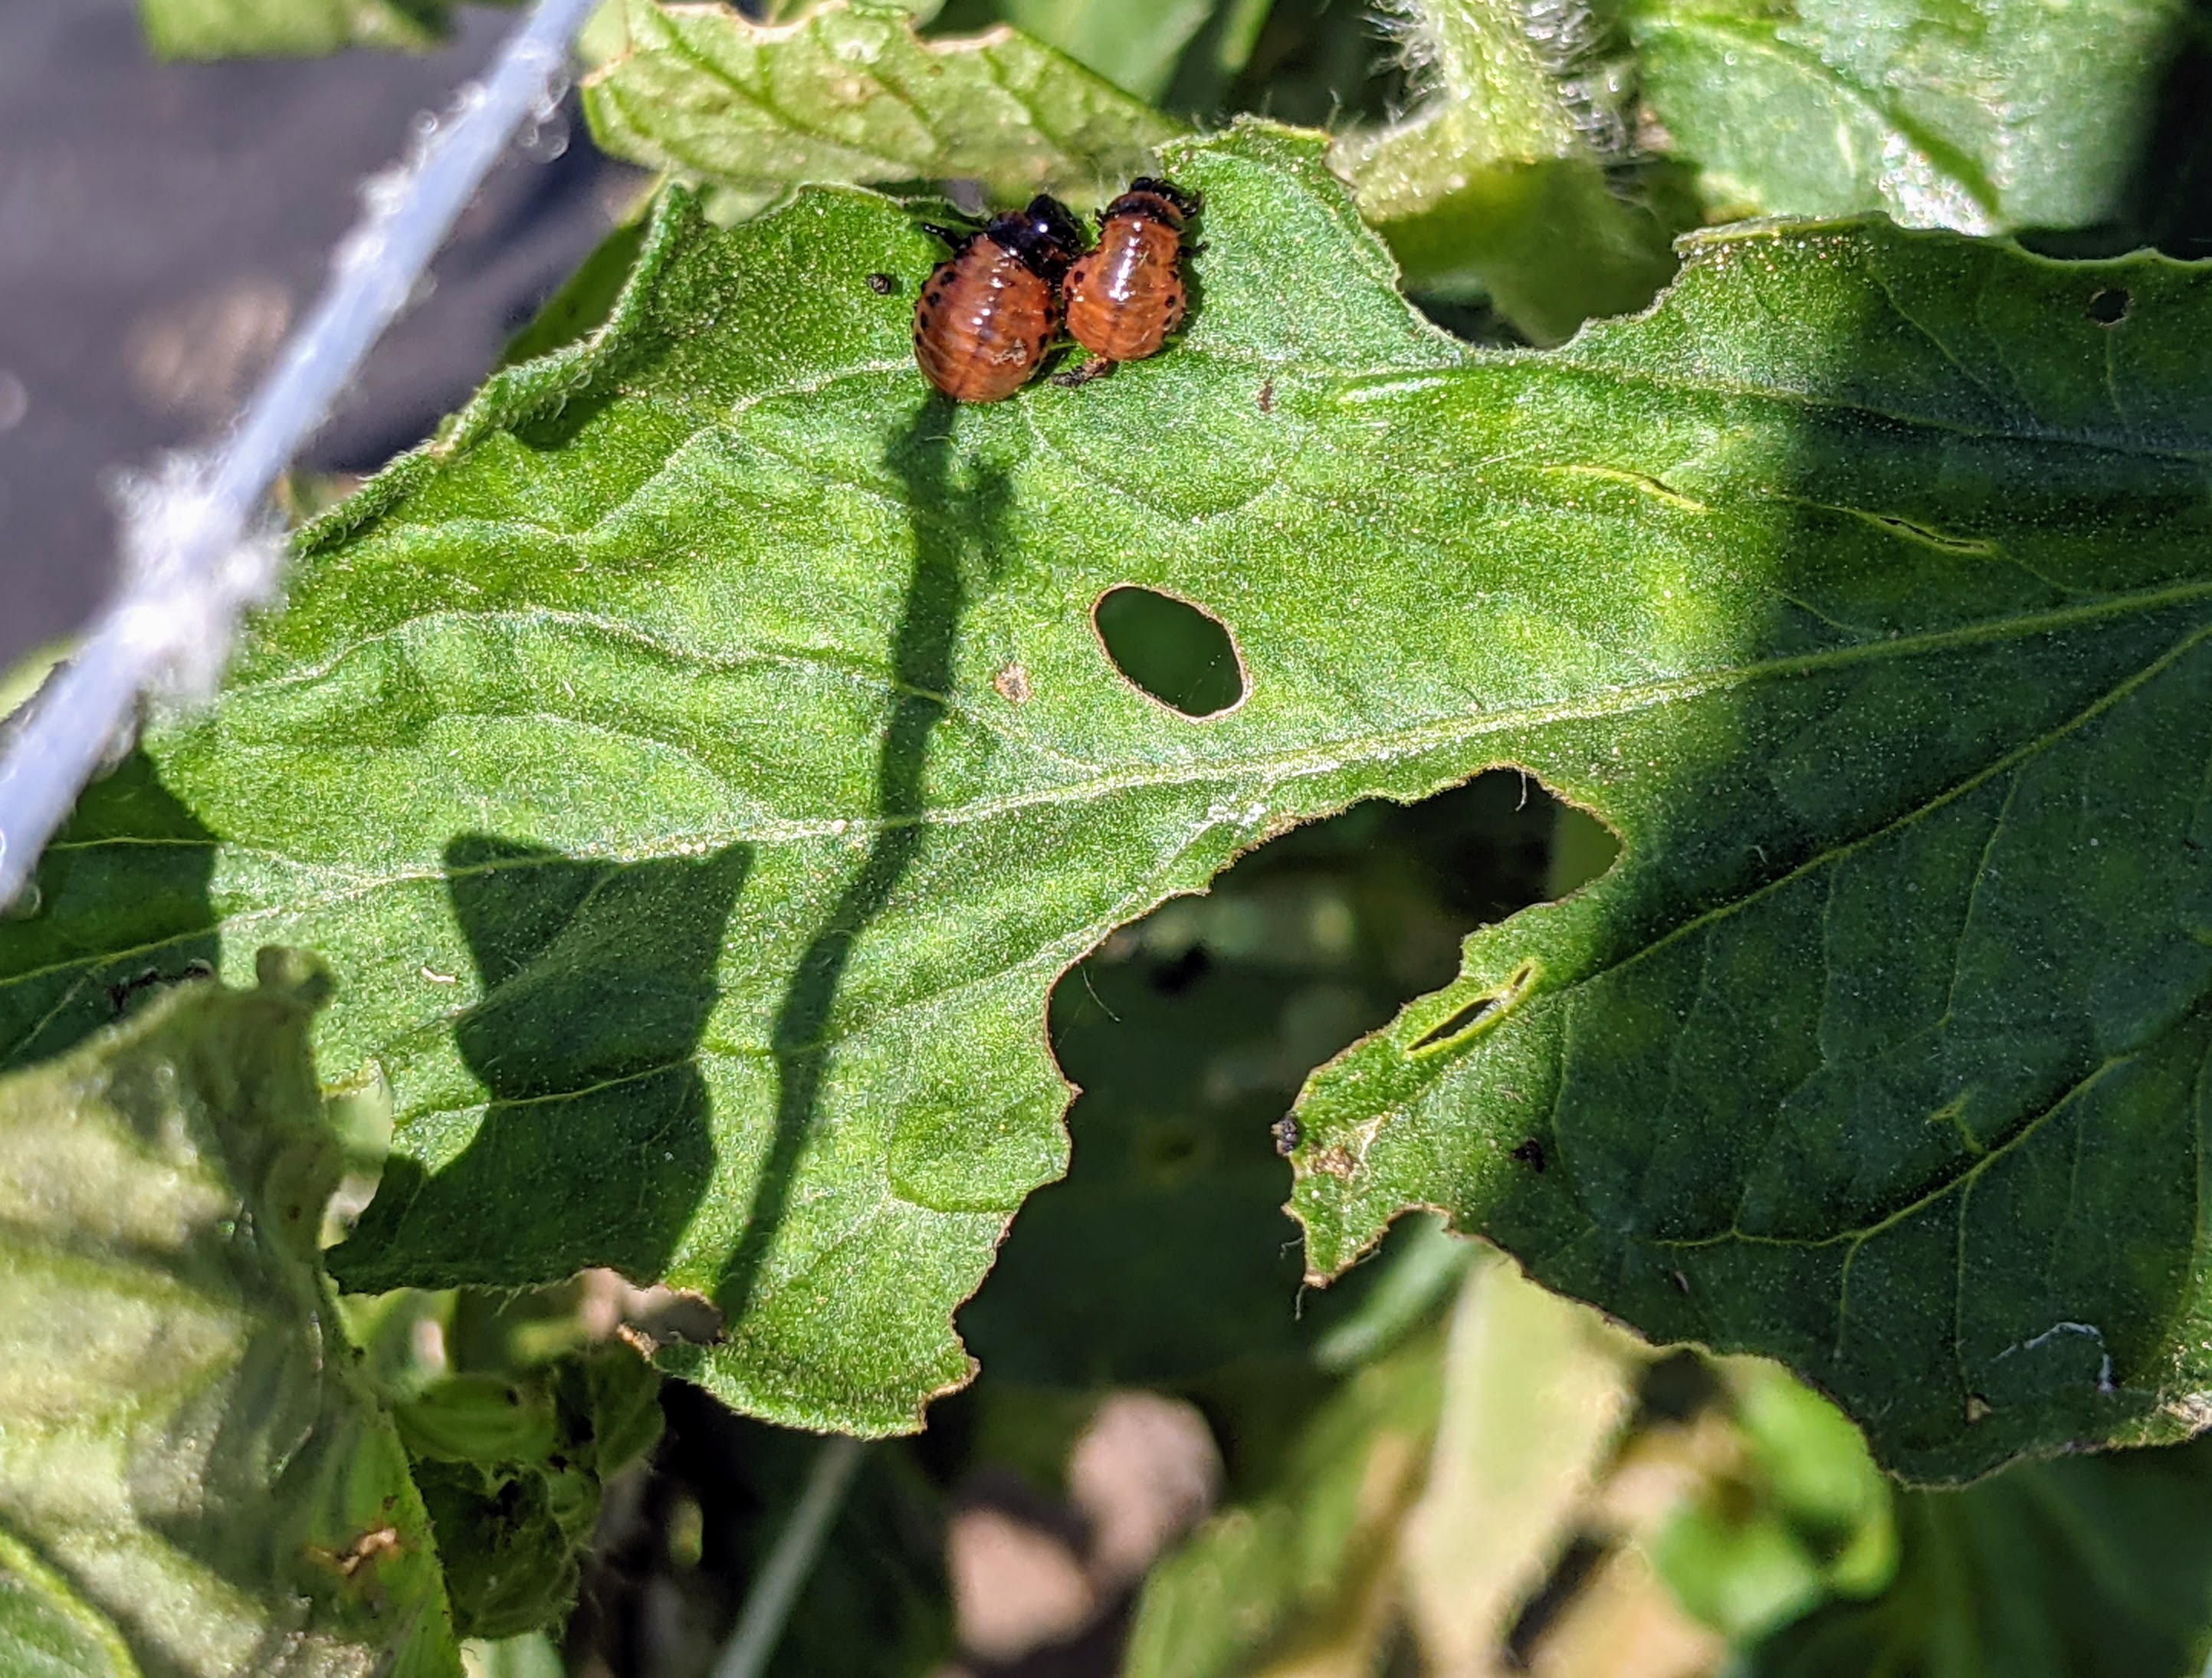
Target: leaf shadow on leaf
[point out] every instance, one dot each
(598, 979)
(1859, 1062)
(120, 910)
(951, 523)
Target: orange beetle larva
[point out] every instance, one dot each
(1128, 297)
(988, 315)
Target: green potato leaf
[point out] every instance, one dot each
(291, 28)
(699, 763)
(511, 1471)
(194, 1478)
(1134, 44)
(1858, 1056)
(847, 92)
(2099, 1567)
(1495, 184)
(2017, 113)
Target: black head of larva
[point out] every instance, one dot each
(1156, 200)
(1045, 236)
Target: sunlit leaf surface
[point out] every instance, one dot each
(847, 91)
(700, 763)
(291, 28)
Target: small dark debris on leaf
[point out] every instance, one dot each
(1531, 1154)
(2110, 307)
(883, 285)
(1286, 1133)
(381, 1540)
(124, 990)
(1075, 378)
(1267, 397)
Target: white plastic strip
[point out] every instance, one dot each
(195, 554)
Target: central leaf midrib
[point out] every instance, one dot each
(1599, 701)
(1269, 772)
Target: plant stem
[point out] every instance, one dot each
(777, 1586)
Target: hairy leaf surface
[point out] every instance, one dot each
(1496, 183)
(700, 763)
(847, 91)
(193, 1478)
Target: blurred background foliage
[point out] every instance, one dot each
(1177, 1460)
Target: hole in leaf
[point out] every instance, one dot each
(2110, 307)
(1474, 1013)
(1162, 1255)
(1476, 322)
(1457, 1024)
(1181, 656)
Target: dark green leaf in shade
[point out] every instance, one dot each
(2020, 113)
(1237, 26)
(194, 1480)
(701, 763)
(510, 1542)
(511, 1470)
(1803, 1517)
(848, 92)
(2093, 1567)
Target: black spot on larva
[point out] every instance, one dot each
(2110, 307)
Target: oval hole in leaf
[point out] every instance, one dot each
(2110, 307)
(1181, 656)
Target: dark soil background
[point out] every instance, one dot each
(163, 226)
